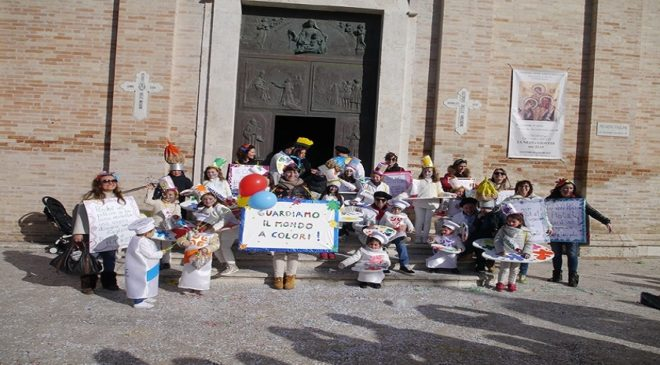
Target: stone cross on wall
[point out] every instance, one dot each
(142, 88)
(462, 104)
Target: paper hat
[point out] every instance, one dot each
(218, 163)
(177, 167)
(451, 225)
(487, 204)
(258, 169)
(174, 157)
(200, 190)
(427, 162)
(508, 208)
(166, 183)
(381, 237)
(142, 225)
(563, 181)
(401, 204)
(305, 142)
(336, 183)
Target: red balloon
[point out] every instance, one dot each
(252, 184)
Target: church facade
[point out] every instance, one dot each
(94, 85)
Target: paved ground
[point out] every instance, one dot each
(46, 320)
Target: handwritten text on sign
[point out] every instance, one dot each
(536, 217)
(108, 222)
(300, 226)
(568, 220)
(236, 173)
(398, 181)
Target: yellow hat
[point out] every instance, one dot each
(427, 162)
(305, 142)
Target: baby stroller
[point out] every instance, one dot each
(56, 213)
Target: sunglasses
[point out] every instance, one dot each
(499, 173)
(380, 199)
(108, 181)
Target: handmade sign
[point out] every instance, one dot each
(108, 222)
(443, 248)
(350, 214)
(236, 173)
(376, 263)
(539, 253)
(569, 221)
(398, 182)
(291, 226)
(536, 217)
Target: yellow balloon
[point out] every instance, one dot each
(242, 201)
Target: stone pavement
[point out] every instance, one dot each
(46, 320)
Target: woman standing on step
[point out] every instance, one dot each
(565, 189)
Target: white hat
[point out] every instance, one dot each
(451, 225)
(166, 183)
(336, 183)
(142, 225)
(487, 204)
(508, 208)
(381, 237)
(398, 203)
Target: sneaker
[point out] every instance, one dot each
(143, 305)
(499, 287)
(150, 300)
(522, 279)
(231, 269)
(331, 256)
(511, 287)
(323, 256)
(375, 286)
(386, 271)
(165, 266)
(406, 270)
(363, 284)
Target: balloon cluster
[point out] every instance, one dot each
(252, 192)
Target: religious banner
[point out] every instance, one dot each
(108, 222)
(236, 173)
(569, 220)
(398, 181)
(536, 218)
(536, 125)
(309, 226)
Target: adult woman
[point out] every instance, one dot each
(391, 161)
(285, 264)
(565, 189)
(500, 180)
(460, 168)
(246, 155)
(104, 186)
(525, 190)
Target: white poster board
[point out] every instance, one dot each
(236, 173)
(503, 195)
(536, 125)
(108, 222)
(398, 181)
(309, 226)
(536, 217)
(568, 219)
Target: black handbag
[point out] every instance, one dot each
(77, 262)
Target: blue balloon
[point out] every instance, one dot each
(262, 200)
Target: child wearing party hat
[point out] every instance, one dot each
(215, 181)
(425, 188)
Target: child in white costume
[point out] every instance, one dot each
(142, 264)
(165, 211)
(399, 220)
(200, 243)
(513, 237)
(370, 261)
(427, 186)
(449, 238)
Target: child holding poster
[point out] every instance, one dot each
(165, 211)
(513, 236)
(399, 220)
(446, 248)
(370, 261)
(332, 193)
(142, 264)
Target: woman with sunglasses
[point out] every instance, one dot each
(104, 186)
(500, 180)
(391, 160)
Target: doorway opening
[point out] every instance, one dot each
(320, 130)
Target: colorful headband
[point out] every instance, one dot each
(563, 181)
